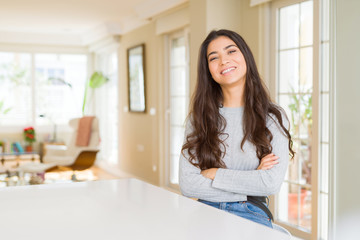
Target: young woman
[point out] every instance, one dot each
(237, 142)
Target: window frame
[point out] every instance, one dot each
(315, 145)
(167, 99)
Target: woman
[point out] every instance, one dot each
(237, 142)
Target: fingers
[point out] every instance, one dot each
(209, 173)
(269, 165)
(269, 157)
(268, 162)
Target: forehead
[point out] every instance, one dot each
(219, 44)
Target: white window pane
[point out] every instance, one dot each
(295, 205)
(324, 168)
(305, 208)
(289, 71)
(15, 90)
(306, 69)
(325, 20)
(177, 138)
(306, 26)
(177, 101)
(289, 26)
(325, 60)
(325, 118)
(178, 81)
(305, 160)
(324, 216)
(283, 201)
(178, 52)
(290, 103)
(174, 169)
(178, 110)
(294, 175)
(60, 81)
(305, 101)
(300, 208)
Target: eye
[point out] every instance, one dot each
(232, 51)
(213, 58)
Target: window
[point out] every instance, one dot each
(35, 84)
(302, 86)
(16, 88)
(59, 87)
(295, 86)
(106, 107)
(177, 102)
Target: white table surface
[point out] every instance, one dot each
(116, 209)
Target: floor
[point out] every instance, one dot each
(94, 173)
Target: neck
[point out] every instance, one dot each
(234, 96)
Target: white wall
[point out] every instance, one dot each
(347, 104)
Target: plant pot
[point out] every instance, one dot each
(28, 148)
(293, 204)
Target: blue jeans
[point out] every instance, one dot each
(243, 209)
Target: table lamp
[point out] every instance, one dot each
(54, 131)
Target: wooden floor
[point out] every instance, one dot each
(93, 173)
(101, 174)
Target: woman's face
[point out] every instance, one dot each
(226, 62)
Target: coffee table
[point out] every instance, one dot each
(10, 162)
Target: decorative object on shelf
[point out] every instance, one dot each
(17, 148)
(96, 80)
(136, 78)
(29, 135)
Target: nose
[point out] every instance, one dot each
(224, 60)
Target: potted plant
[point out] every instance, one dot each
(96, 80)
(29, 136)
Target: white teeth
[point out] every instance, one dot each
(227, 70)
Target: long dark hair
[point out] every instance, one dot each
(204, 144)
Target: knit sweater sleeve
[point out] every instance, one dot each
(194, 185)
(258, 182)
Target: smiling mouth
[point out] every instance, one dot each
(228, 70)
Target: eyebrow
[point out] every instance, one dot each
(229, 46)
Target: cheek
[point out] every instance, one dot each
(243, 65)
(212, 69)
(244, 68)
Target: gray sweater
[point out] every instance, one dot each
(240, 179)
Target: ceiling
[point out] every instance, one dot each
(76, 18)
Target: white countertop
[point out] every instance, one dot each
(116, 209)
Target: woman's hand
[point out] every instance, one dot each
(268, 162)
(209, 173)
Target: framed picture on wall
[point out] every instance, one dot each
(136, 78)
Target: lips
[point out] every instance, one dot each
(225, 71)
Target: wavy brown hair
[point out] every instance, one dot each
(204, 144)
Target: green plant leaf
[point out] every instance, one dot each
(7, 110)
(97, 80)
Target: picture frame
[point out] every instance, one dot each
(136, 78)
